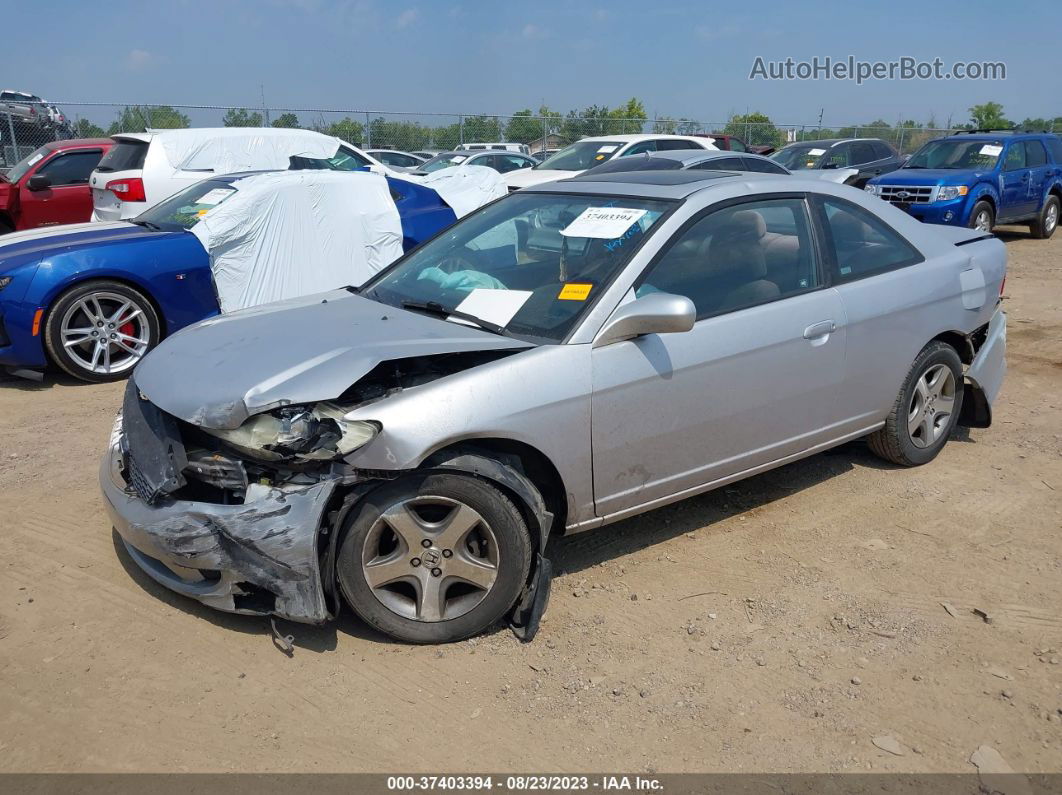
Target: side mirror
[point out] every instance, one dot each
(655, 313)
(38, 182)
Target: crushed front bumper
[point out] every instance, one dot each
(260, 557)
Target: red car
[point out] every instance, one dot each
(50, 186)
(731, 143)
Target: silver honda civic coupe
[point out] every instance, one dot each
(568, 356)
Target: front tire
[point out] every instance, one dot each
(98, 331)
(926, 410)
(433, 557)
(1045, 226)
(983, 217)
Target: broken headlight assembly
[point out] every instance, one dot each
(298, 433)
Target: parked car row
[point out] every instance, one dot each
(26, 108)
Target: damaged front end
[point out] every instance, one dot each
(231, 518)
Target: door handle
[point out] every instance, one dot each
(821, 329)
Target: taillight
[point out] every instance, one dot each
(127, 190)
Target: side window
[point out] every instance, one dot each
(1015, 157)
(670, 145)
(764, 166)
(862, 152)
(1054, 146)
(720, 164)
(862, 244)
(837, 157)
(883, 150)
(71, 169)
(1034, 154)
(641, 148)
(737, 146)
(736, 257)
(511, 163)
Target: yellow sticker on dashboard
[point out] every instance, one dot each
(574, 292)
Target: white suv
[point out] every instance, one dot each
(142, 169)
(590, 152)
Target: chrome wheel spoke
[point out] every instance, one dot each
(405, 524)
(431, 601)
(457, 526)
(471, 570)
(944, 406)
(386, 571)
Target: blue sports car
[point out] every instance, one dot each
(92, 299)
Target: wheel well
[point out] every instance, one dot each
(535, 466)
(1056, 191)
(960, 342)
(987, 198)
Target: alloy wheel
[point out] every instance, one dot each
(932, 405)
(105, 333)
(430, 558)
(983, 223)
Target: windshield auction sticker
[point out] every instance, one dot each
(603, 223)
(574, 292)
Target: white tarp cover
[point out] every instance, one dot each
(294, 233)
(228, 150)
(463, 188)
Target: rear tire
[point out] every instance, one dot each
(926, 410)
(433, 557)
(983, 217)
(98, 331)
(1046, 224)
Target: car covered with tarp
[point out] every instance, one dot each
(93, 298)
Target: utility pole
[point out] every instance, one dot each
(265, 110)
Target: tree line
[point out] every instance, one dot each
(525, 126)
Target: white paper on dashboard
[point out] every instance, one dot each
(215, 197)
(608, 148)
(494, 306)
(604, 223)
(816, 152)
(458, 159)
(991, 149)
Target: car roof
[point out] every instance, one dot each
(672, 185)
(639, 137)
(79, 143)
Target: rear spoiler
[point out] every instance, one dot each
(987, 236)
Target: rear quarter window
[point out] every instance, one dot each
(125, 155)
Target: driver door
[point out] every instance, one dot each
(754, 381)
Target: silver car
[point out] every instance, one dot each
(571, 355)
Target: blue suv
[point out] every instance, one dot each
(979, 179)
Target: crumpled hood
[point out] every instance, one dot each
(928, 176)
(221, 371)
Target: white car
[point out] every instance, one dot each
(142, 169)
(590, 152)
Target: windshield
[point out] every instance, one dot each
(440, 162)
(531, 263)
(796, 158)
(979, 155)
(18, 171)
(581, 155)
(183, 210)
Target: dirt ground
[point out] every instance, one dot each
(781, 624)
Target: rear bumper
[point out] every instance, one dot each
(984, 376)
(256, 558)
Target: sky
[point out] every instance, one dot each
(682, 59)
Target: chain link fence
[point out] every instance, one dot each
(411, 131)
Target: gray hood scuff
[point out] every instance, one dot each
(219, 372)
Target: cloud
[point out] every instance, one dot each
(407, 18)
(138, 60)
(531, 31)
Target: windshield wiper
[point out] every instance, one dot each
(437, 309)
(147, 225)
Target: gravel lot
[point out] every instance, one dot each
(782, 624)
